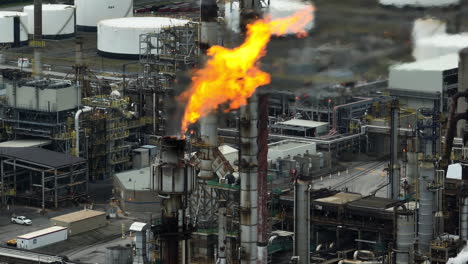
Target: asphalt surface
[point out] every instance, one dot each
(360, 177)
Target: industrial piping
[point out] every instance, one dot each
(77, 127)
(452, 127)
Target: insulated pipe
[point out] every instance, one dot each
(248, 181)
(77, 127)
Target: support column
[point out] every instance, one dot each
(302, 221)
(248, 177)
(394, 147)
(56, 189)
(3, 184)
(43, 191)
(222, 233)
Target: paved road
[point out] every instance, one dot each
(361, 177)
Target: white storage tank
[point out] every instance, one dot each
(419, 3)
(13, 29)
(439, 45)
(58, 21)
(90, 12)
(127, 31)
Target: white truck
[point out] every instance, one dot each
(21, 220)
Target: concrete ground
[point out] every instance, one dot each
(360, 177)
(97, 253)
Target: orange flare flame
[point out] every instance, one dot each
(232, 75)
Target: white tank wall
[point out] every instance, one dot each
(7, 23)
(56, 19)
(127, 31)
(439, 45)
(90, 12)
(419, 3)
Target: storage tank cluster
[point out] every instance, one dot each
(58, 21)
(127, 32)
(90, 12)
(13, 30)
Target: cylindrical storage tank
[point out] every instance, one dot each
(13, 29)
(419, 3)
(58, 21)
(119, 255)
(439, 45)
(405, 238)
(127, 31)
(90, 12)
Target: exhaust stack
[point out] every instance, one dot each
(174, 181)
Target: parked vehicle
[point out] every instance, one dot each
(21, 220)
(11, 242)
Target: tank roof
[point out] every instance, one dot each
(49, 7)
(143, 22)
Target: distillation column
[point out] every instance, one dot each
(428, 137)
(248, 177)
(222, 233)
(254, 238)
(405, 235)
(174, 181)
(302, 221)
(209, 123)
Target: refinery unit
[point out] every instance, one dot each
(159, 160)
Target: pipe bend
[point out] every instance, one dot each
(78, 113)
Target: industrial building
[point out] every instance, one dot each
(80, 221)
(134, 190)
(43, 237)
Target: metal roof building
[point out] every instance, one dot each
(301, 127)
(81, 221)
(64, 175)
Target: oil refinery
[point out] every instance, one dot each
(234, 131)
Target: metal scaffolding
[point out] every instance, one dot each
(39, 176)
